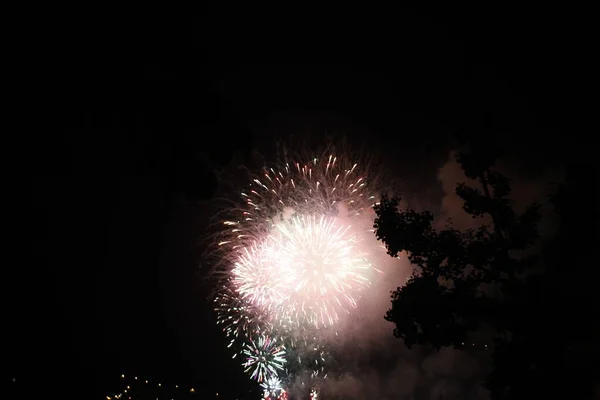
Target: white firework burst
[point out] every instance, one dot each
(264, 357)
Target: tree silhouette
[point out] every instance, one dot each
(466, 279)
(443, 300)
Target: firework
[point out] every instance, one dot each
(297, 260)
(296, 253)
(273, 389)
(313, 188)
(272, 384)
(238, 318)
(308, 272)
(264, 357)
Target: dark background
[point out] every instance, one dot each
(136, 112)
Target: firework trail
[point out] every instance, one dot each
(296, 261)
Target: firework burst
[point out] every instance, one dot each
(264, 358)
(296, 261)
(308, 271)
(238, 318)
(315, 187)
(294, 250)
(273, 389)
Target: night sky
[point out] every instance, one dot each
(138, 111)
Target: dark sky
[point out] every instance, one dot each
(132, 107)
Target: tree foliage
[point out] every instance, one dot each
(442, 301)
(466, 279)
